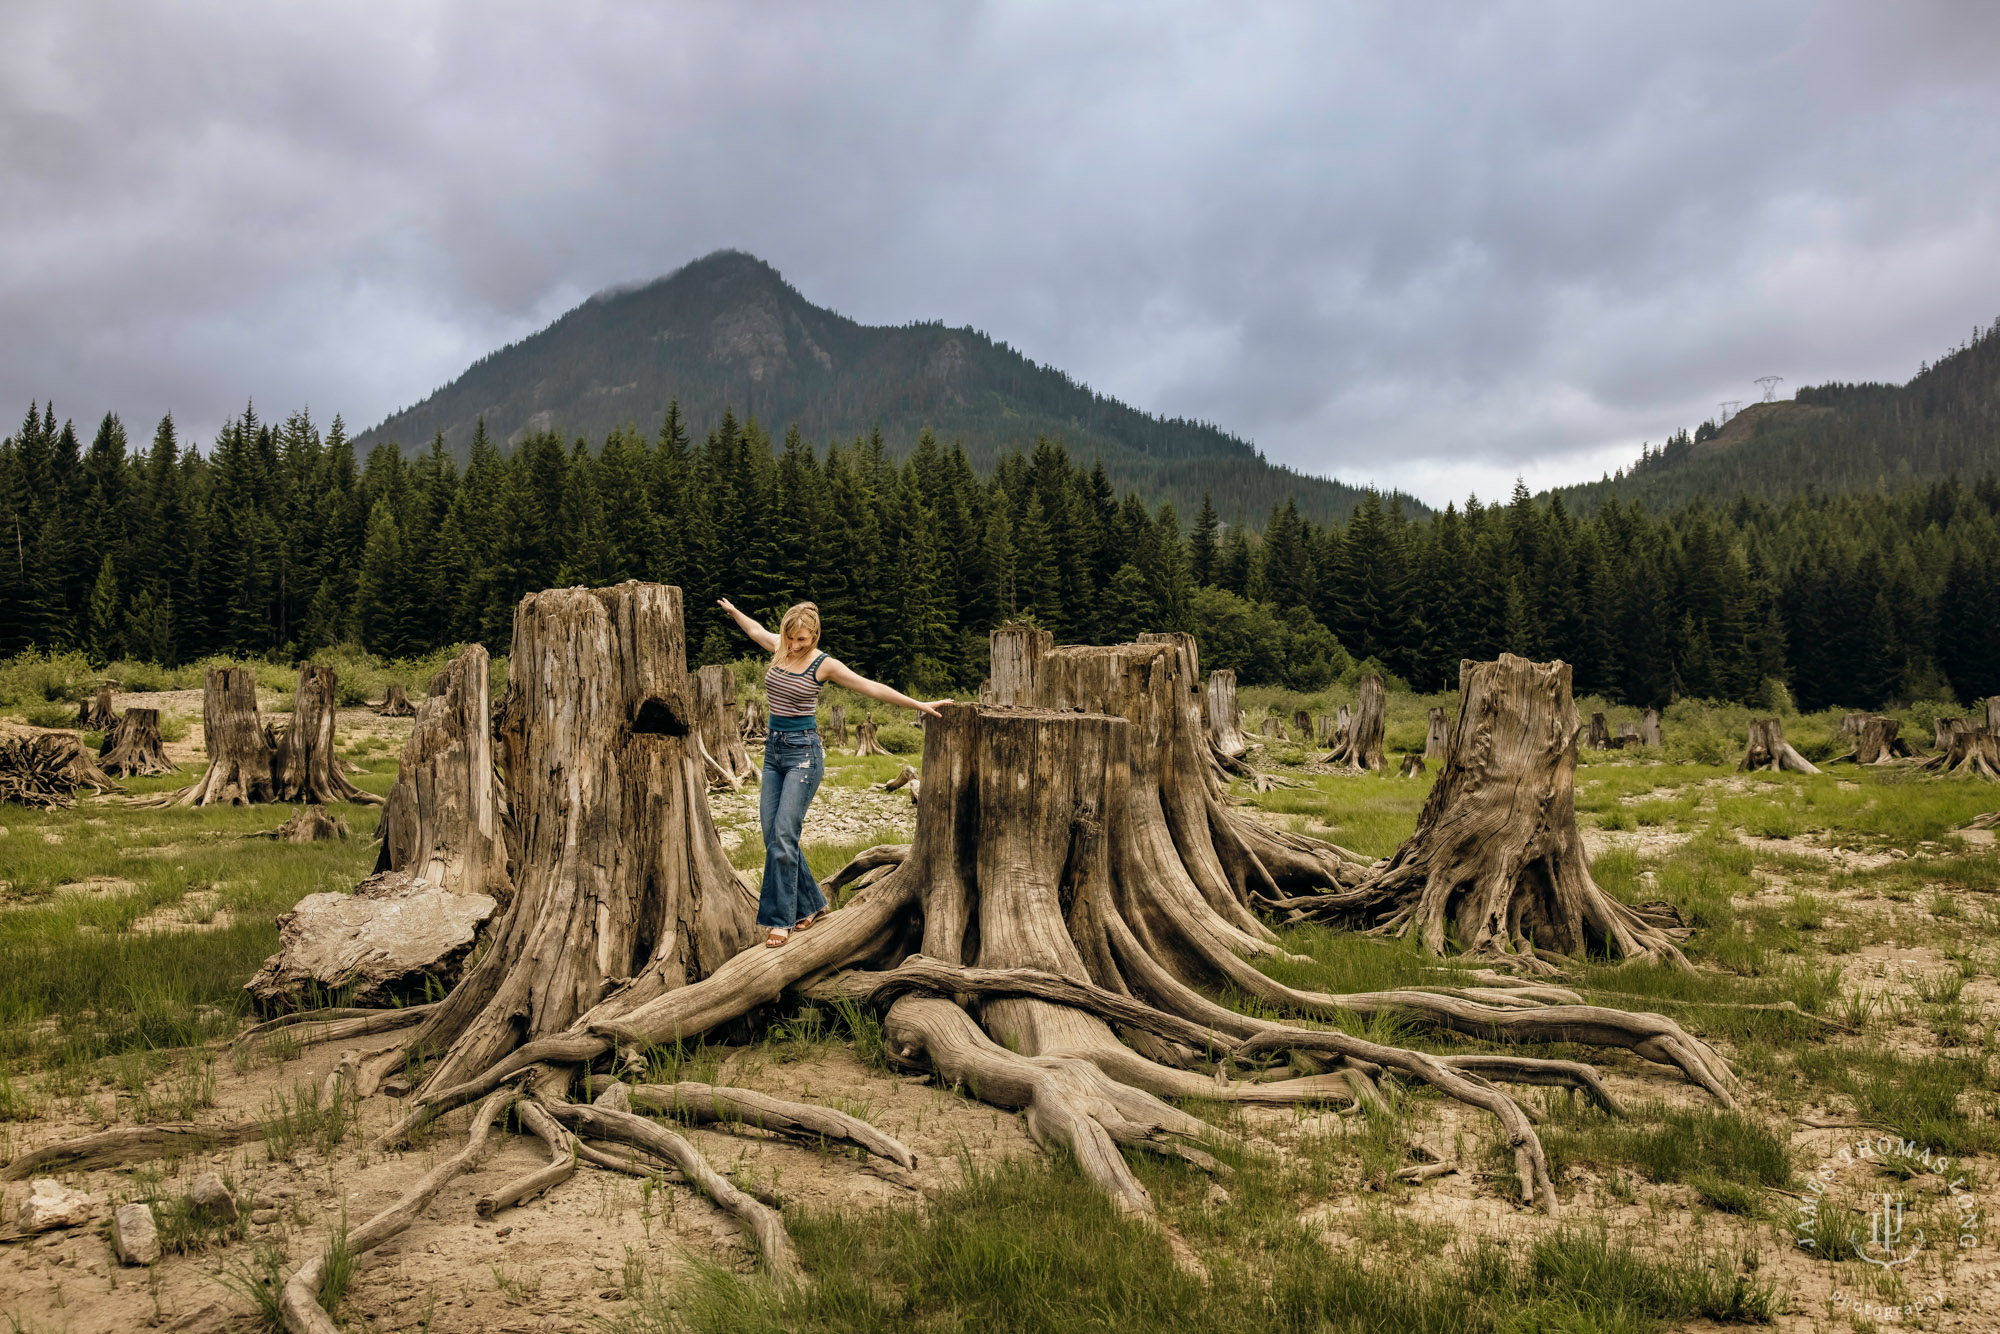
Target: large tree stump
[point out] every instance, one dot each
(96, 713)
(240, 753)
(1274, 727)
(1302, 723)
(1599, 735)
(1496, 864)
(720, 733)
(754, 726)
(1413, 765)
(1877, 741)
(1437, 735)
(621, 883)
(445, 821)
(1649, 728)
(1971, 751)
(1361, 748)
(836, 726)
(133, 748)
(1628, 735)
(1942, 730)
(1225, 724)
(309, 824)
(1769, 751)
(395, 702)
(305, 767)
(1850, 723)
(864, 738)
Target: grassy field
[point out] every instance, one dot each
(1844, 942)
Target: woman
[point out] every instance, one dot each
(795, 761)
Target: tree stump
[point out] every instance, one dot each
(1274, 727)
(1437, 735)
(1993, 715)
(395, 702)
(1302, 723)
(96, 713)
(1850, 724)
(1323, 729)
(836, 726)
(304, 767)
(1971, 751)
(1413, 765)
(1649, 728)
(445, 821)
(1599, 736)
(1223, 722)
(133, 748)
(240, 753)
(720, 734)
(1943, 729)
(864, 737)
(1770, 752)
(621, 884)
(1877, 741)
(753, 718)
(309, 824)
(1496, 863)
(1628, 735)
(1361, 747)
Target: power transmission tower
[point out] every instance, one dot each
(1728, 410)
(1769, 384)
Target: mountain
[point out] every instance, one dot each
(1830, 438)
(727, 332)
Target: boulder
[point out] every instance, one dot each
(376, 944)
(51, 1205)
(133, 1235)
(207, 1196)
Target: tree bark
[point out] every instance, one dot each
(1437, 737)
(305, 767)
(446, 816)
(133, 748)
(1649, 728)
(1770, 752)
(622, 883)
(1599, 736)
(1361, 748)
(240, 753)
(1850, 724)
(1496, 863)
(96, 714)
(1943, 729)
(396, 702)
(864, 738)
(836, 726)
(721, 729)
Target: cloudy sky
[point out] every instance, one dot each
(1431, 245)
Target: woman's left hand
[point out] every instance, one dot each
(932, 707)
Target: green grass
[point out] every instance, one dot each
(1945, 1103)
(1728, 1157)
(1028, 1246)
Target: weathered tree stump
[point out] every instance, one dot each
(836, 726)
(1649, 728)
(305, 767)
(1628, 735)
(1274, 727)
(1970, 751)
(240, 753)
(1223, 723)
(395, 702)
(864, 738)
(720, 733)
(1361, 748)
(445, 821)
(133, 748)
(96, 713)
(1877, 741)
(1413, 765)
(1302, 723)
(1437, 735)
(754, 726)
(1324, 729)
(1993, 714)
(1942, 730)
(1599, 735)
(1850, 724)
(1496, 863)
(1770, 752)
(309, 824)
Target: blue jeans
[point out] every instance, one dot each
(794, 763)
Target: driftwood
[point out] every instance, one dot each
(1361, 746)
(395, 702)
(719, 730)
(904, 776)
(240, 753)
(96, 713)
(1769, 751)
(864, 738)
(304, 767)
(1649, 728)
(47, 770)
(446, 814)
(133, 748)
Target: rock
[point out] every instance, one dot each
(379, 942)
(209, 1196)
(617, 1096)
(51, 1205)
(133, 1236)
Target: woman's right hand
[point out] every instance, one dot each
(726, 605)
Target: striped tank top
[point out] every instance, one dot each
(793, 696)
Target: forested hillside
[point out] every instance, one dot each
(728, 334)
(279, 541)
(1834, 437)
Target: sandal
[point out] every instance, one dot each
(807, 924)
(778, 936)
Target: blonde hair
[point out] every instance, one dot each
(800, 616)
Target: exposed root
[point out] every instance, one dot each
(706, 1104)
(334, 1025)
(560, 1168)
(130, 1144)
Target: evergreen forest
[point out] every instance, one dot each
(279, 541)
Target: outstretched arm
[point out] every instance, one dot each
(764, 638)
(840, 674)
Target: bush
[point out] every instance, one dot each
(49, 715)
(42, 678)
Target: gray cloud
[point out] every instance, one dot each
(1429, 246)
